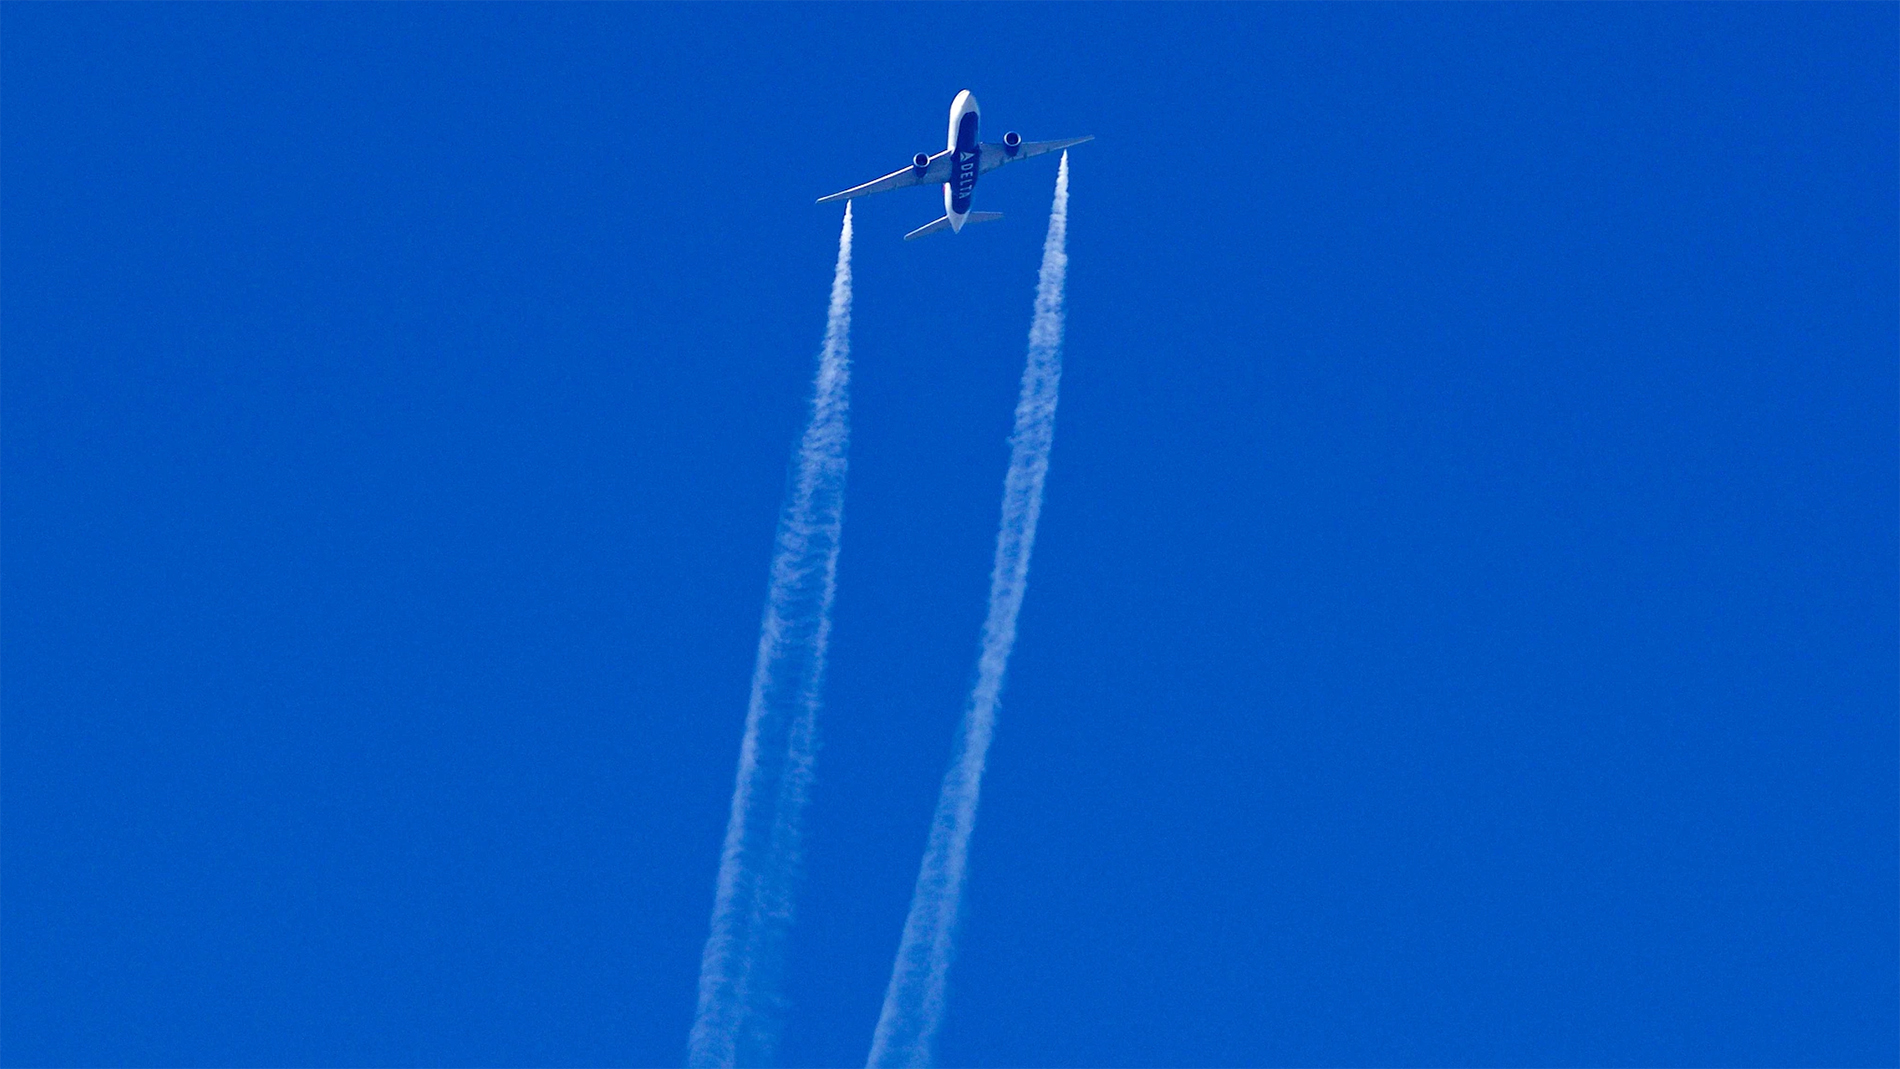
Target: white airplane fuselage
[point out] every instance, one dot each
(966, 158)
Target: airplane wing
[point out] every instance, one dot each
(938, 173)
(995, 156)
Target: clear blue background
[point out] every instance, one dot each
(1462, 631)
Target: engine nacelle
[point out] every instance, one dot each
(1012, 141)
(921, 161)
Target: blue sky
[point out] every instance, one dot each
(1462, 629)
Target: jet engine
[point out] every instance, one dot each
(921, 161)
(1012, 141)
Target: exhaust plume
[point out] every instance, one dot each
(914, 1001)
(739, 1003)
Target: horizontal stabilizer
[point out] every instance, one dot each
(944, 224)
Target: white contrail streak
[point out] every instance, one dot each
(913, 1003)
(737, 1019)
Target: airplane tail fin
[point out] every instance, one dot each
(943, 223)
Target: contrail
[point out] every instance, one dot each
(737, 1019)
(913, 1003)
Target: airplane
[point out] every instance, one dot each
(957, 167)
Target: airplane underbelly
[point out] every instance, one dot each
(964, 166)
